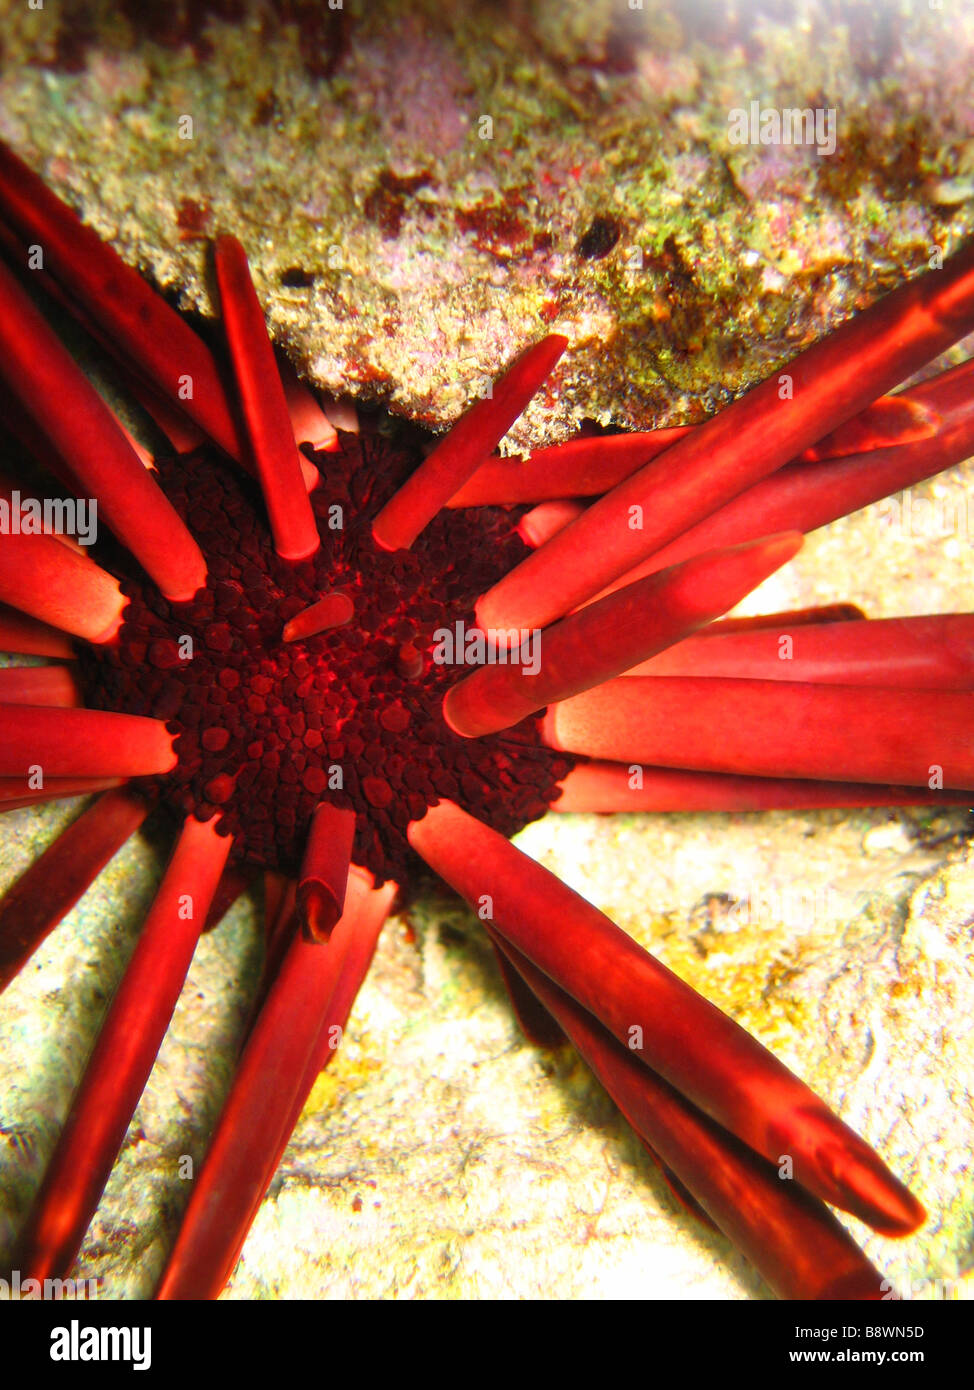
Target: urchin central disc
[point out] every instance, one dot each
(349, 715)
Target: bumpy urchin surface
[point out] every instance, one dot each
(268, 728)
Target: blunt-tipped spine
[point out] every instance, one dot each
(699, 1050)
(890, 420)
(578, 468)
(334, 610)
(309, 422)
(28, 637)
(805, 496)
(324, 870)
(466, 446)
(791, 1238)
(537, 526)
(59, 586)
(599, 642)
(264, 407)
(16, 791)
(593, 465)
(81, 743)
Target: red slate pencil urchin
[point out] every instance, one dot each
(274, 668)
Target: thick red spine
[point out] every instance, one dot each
(324, 870)
(537, 526)
(790, 1237)
(16, 791)
(27, 637)
(81, 743)
(757, 434)
(49, 889)
(308, 421)
(122, 1059)
(334, 610)
(282, 1057)
(60, 586)
(577, 468)
(670, 1028)
(935, 652)
(593, 465)
(609, 787)
(83, 431)
(466, 446)
(133, 317)
(265, 411)
(842, 733)
(805, 496)
(596, 464)
(601, 641)
(39, 685)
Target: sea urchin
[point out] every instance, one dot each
(275, 664)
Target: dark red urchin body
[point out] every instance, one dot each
(267, 728)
